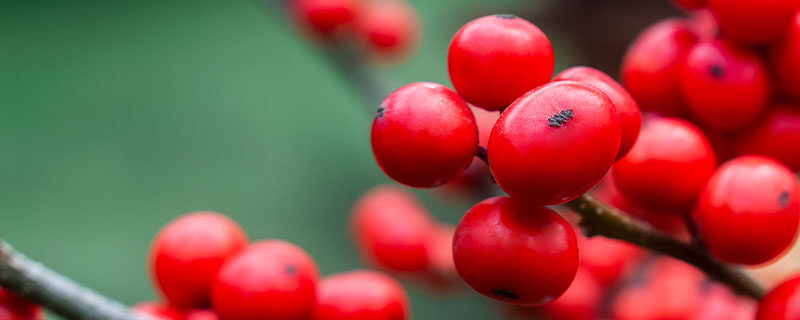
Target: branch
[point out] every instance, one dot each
(38, 284)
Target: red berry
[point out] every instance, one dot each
(749, 211)
(581, 301)
(607, 260)
(13, 307)
(671, 291)
(270, 279)
(187, 253)
(719, 303)
(754, 21)
(392, 229)
(514, 252)
(388, 27)
(667, 167)
(157, 311)
(423, 135)
(324, 19)
(201, 314)
(476, 179)
(690, 4)
(782, 302)
(777, 135)
(495, 59)
(785, 60)
(724, 86)
(360, 295)
(652, 65)
(554, 143)
(629, 115)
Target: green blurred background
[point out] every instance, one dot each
(118, 116)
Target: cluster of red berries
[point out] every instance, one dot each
(382, 28)
(205, 269)
(555, 138)
(13, 307)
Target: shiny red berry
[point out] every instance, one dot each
(782, 302)
(785, 60)
(187, 253)
(323, 19)
(392, 230)
(554, 143)
(754, 21)
(388, 27)
(495, 59)
(423, 135)
(749, 211)
(270, 279)
(667, 167)
(777, 135)
(724, 86)
(360, 295)
(629, 115)
(652, 65)
(12, 307)
(510, 251)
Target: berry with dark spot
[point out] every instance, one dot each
(554, 143)
(515, 252)
(360, 295)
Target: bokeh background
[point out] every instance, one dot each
(117, 116)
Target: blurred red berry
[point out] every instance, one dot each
(754, 21)
(785, 60)
(607, 260)
(777, 135)
(671, 290)
(782, 302)
(12, 307)
(360, 295)
(201, 314)
(323, 19)
(388, 27)
(157, 311)
(581, 301)
(690, 4)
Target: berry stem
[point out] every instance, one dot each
(35, 282)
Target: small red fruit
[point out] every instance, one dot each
(785, 60)
(324, 19)
(423, 135)
(360, 295)
(749, 211)
(388, 27)
(157, 311)
(629, 115)
(777, 135)
(12, 307)
(187, 253)
(754, 21)
(724, 86)
(607, 260)
(270, 279)
(667, 167)
(652, 64)
(201, 314)
(515, 252)
(554, 143)
(782, 302)
(581, 301)
(495, 59)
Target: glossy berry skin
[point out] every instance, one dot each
(423, 135)
(495, 59)
(270, 279)
(652, 64)
(554, 143)
(749, 211)
(782, 302)
(667, 167)
(392, 230)
(630, 116)
(388, 27)
(690, 4)
(515, 252)
(476, 179)
(157, 311)
(360, 295)
(754, 21)
(785, 61)
(323, 19)
(776, 135)
(13, 307)
(725, 87)
(187, 253)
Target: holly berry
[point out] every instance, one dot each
(360, 295)
(581, 301)
(157, 311)
(476, 179)
(12, 307)
(782, 302)
(785, 60)
(324, 19)
(423, 135)
(392, 230)
(776, 135)
(514, 252)
(554, 143)
(754, 21)
(270, 279)
(667, 167)
(607, 260)
(388, 27)
(201, 314)
(495, 59)
(627, 109)
(187, 253)
(671, 290)
(725, 87)
(749, 211)
(652, 65)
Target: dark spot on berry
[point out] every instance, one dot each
(560, 118)
(379, 113)
(716, 71)
(783, 199)
(505, 294)
(506, 16)
(290, 269)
